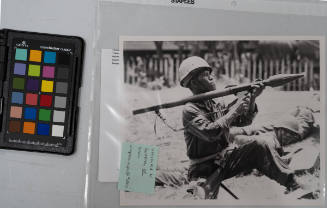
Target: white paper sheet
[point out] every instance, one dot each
(109, 144)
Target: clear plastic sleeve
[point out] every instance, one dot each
(140, 49)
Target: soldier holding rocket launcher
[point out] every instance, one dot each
(207, 127)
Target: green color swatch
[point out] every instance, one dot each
(138, 168)
(34, 70)
(21, 54)
(18, 83)
(44, 115)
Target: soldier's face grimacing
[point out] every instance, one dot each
(206, 81)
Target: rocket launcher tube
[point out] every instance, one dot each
(273, 81)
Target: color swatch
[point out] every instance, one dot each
(40, 82)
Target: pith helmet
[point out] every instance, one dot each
(189, 67)
(289, 123)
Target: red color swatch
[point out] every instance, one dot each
(45, 100)
(31, 99)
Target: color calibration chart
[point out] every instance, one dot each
(39, 92)
(40, 79)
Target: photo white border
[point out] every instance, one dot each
(125, 201)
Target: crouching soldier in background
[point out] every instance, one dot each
(291, 128)
(207, 125)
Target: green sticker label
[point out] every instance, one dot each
(138, 168)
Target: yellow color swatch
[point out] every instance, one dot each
(47, 86)
(35, 55)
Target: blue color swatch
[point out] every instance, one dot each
(49, 57)
(19, 68)
(21, 54)
(30, 113)
(17, 97)
(43, 129)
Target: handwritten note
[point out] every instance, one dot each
(138, 168)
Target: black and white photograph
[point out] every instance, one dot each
(236, 119)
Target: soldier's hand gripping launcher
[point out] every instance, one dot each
(273, 81)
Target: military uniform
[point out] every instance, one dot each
(208, 145)
(300, 121)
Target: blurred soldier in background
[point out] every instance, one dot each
(293, 127)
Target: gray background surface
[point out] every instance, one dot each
(44, 180)
(38, 180)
